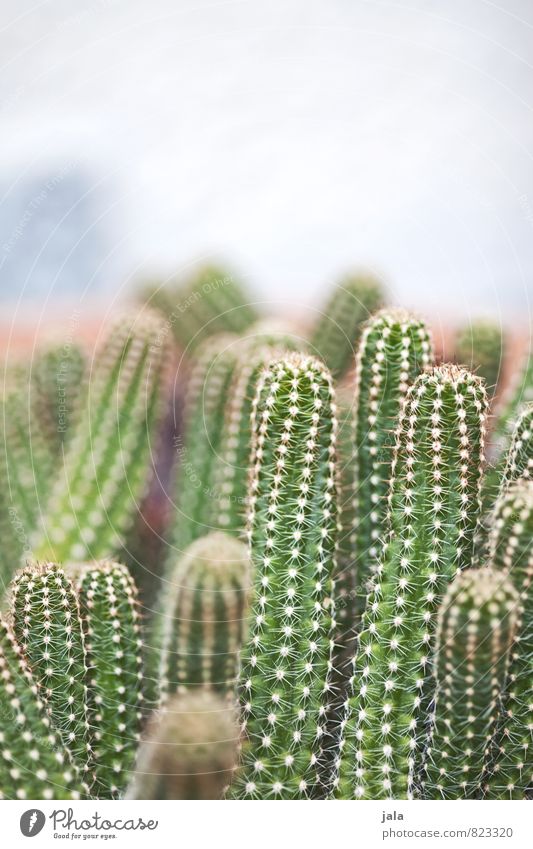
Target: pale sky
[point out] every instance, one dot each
(293, 138)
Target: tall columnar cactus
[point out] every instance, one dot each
(394, 348)
(26, 468)
(205, 616)
(111, 619)
(33, 764)
(475, 629)
(434, 507)
(47, 626)
(190, 750)
(57, 377)
(509, 761)
(286, 662)
(336, 333)
(480, 346)
(108, 462)
(211, 301)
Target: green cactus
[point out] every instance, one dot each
(205, 400)
(111, 620)
(509, 761)
(434, 508)
(286, 662)
(47, 625)
(519, 460)
(106, 468)
(480, 347)
(475, 629)
(58, 380)
(337, 330)
(190, 750)
(394, 348)
(205, 616)
(230, 478)
(26, 468)
(211, 301)
(33, 765)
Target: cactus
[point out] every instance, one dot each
(210, 302)
(292, 527)
(190, 750)
(480, 347)
(111, 621)
(519, 460)
(32, 763)
(434, 507)
(57, 376)
(107, 465)
(26, 468)
(205, 616)
(230, 478)
(509, 761)
(47, 625)
(474, 632)
(337, 331)
(205, 401)
(394, 348)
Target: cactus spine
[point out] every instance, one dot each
(474, 633)
(337, 331)
(205, 616)
(395, 347)
(292, 531)
(106, 467)
(32, 764)
(190, 750)
(47, 626)
(108, 603)
(434, 506)
(509, 761)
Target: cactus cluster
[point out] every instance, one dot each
(341, 603)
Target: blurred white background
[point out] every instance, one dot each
(293, 138)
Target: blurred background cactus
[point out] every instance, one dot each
(480, 347)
